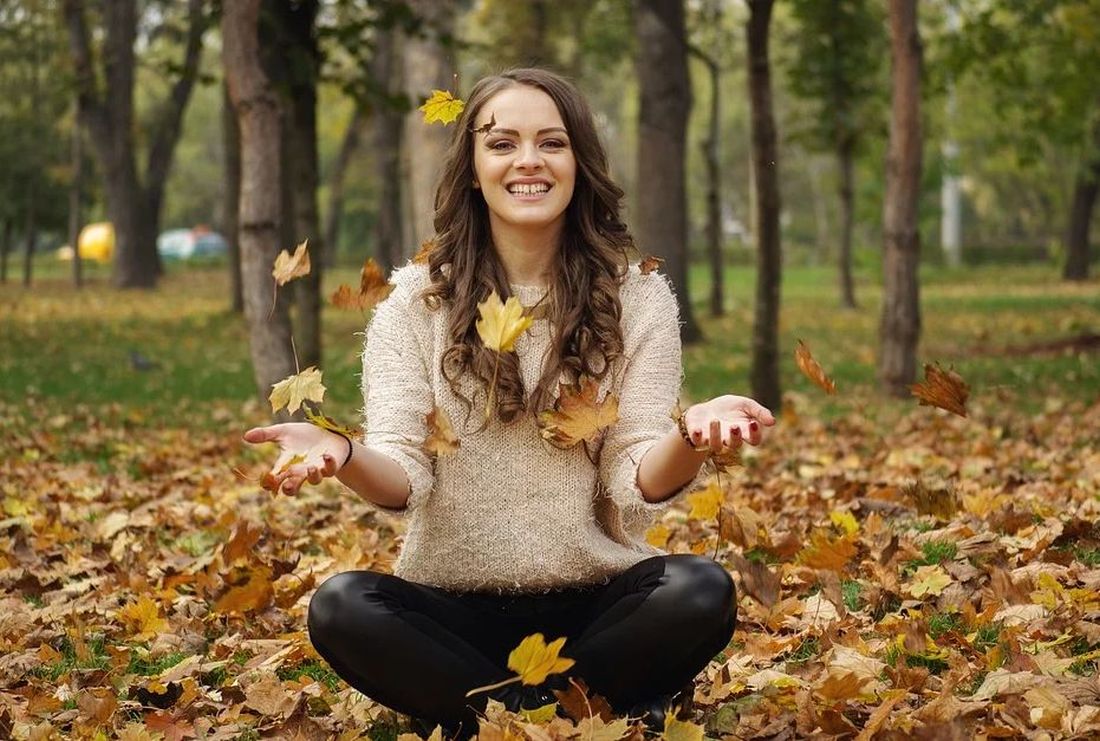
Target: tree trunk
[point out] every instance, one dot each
(134, 210)
(231, 135)
(664, 106)
(30, 236)
(714, 187)
(765, 169)
(428, 64)
(75, 221)
(1085, 188)
(388, 241)
(337, 173)
(845, 154)
(901, 322)
(257, 108)
(5, 249)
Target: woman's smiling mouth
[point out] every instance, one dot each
(527, 191)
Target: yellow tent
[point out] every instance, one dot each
(97, 242)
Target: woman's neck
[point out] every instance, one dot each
(528, 255)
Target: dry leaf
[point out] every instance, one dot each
(579, 702)
(288, 267)
(811, 369)
(706, 502)
(757, 580)
(939, 501)
(328, 423)
(824, 552)
(373, 289)
(441, 439)
(681, 730)
(426, 247)
(533, 659)
(929, 580)
(501, 324)
(443, 107)
(649, 264)
(293, 390)
(942, 388)
(143, 618)
(577, 415)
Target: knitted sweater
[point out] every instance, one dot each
(508, 512)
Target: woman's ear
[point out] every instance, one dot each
(476, 184)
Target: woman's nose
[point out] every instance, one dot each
(529, 156)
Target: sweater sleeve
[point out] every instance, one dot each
(649, 392)
(397, 395)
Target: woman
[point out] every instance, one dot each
(510, 535)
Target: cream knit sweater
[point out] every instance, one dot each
(508, 512)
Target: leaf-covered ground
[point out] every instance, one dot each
(903, 572)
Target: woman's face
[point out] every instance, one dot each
(524, 165)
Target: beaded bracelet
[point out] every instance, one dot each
(681, 424)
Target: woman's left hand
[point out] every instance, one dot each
(727, 421)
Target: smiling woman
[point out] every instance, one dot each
(519, 531)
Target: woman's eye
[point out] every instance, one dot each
(554, 143)
(501, 145)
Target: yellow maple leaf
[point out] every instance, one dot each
(929, 580)
(577, 415)
(328, 423)
(143, 618)
(681, 730)
(706, 502)
(844, 520)
(443, 107)
(658, 535)
(288, 267)
(501, 324)
(534, 659)
(293, 390)
(824, 552)
(541, 714)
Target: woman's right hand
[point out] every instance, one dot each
(321, 452)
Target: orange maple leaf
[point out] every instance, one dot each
(441, 439)
(942, 388)
(426, 247)
(812, 369)
(650, 263)
(373, 289)
(823, 552)
(577, 415)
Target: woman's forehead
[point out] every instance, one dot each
(520, 108)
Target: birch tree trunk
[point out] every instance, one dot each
(257, 108)
(899, 329)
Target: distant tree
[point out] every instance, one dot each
(765, 172)
(107, 112)
(231, 138)
(899, 330)
(840, 44)
(660, 222)
(258, 113)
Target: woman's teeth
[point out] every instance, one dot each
(528, 190)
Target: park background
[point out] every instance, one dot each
(903, 570)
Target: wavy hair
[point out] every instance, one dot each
(584, 306)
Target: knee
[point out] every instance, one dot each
(702, 587)
(338, 598)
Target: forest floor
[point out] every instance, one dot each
(903, 572)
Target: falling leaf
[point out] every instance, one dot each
(373, 289)
(443, 107)
(486, 127)
(441, 439)
(706, 502)
(577, 415)
(942, 388)
(579, 702)
(426, 247)
(143, 618)
(288, 267)
(291, 461)
(541, 714)
(649, 264)
(533, 659)
(500, 324)
(293, 390)
(929, 580)
(811, 369)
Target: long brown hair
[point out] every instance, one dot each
(584, 306)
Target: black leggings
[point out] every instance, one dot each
(417, 649)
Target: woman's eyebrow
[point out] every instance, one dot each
(540, 132)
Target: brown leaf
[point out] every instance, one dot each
(441, 439)
(242, 541)
(288, 267)
(840, 686)
(373, 289)
(942, 388)
(579, 702)
(577, 415)
(757, 580)
(811, 369)
(650, 263)
(425, 251)
(254, 595)
(824, 552)
(939, 501)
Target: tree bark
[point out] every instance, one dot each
(710, 147)
(765, 168)
(231, 135)
(30, 236)
(257, 109)
(901, 321)
(108, 115)
(349, 144)
(665, 104)
(5, 249)
(428, 64)
(388, 123)
(75, 216)
(1086, 186)
(845, 155)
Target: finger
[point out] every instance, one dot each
(715, 437)
(753, 437)
(263, 434)
(734, 439)
(329, 467)
(291, 485)
(313, 475)
(760, 412)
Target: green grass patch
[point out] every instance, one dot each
(934, 552)
(806, 650)
(987, 636)
(943, 622)
(97, 658)
(851, 591)
(147, 666)
(759, 555)
(315, 670)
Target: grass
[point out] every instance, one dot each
(68, 353)
(934, 552)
